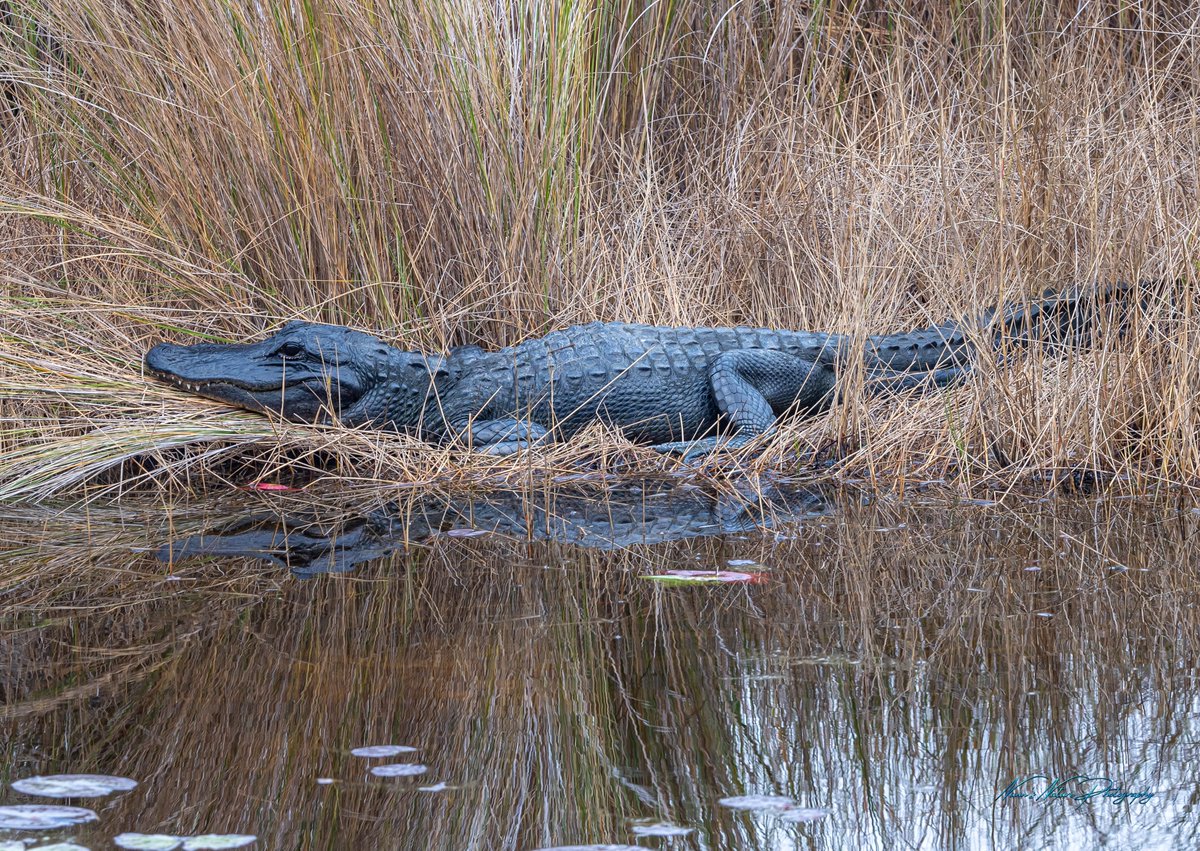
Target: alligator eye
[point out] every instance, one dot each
(290, 350)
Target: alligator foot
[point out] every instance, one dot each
(693, 450)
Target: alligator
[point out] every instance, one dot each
(683, 390)
(311, 539)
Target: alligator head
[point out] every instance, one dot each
(300, 543)
(307, 373)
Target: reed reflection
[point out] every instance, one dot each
(899, 666)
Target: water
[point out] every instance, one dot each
(888, 669)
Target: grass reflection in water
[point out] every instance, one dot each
(893, 669)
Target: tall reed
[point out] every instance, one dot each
(446, 172)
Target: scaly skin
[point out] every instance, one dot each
(682, 390)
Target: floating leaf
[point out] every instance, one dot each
(757, 802)
(147, 841)
(742, 562)
(465, 533)
(399, 770)
(802, 815)
(42, 816)
(703, 577)
(74, 785)
(216, 840)
(593, 848)
(382, 750)
(661, 829)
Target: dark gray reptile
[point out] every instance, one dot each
(682, 390)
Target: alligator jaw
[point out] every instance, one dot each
(229, 392)
(209, 389)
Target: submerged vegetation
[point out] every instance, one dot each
(446, 173)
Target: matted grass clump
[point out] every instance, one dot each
(445, 173)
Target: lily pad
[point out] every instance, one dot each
(757, 802)
(74, 785)
(43, 817)
(702, 577)
(405, 769)
(593, 848)
(147, 841)
(382, 750)
(216, 840)
(661, 829)
(803, 815)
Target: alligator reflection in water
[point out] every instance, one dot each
(901, 663)
(312, 543)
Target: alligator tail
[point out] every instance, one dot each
(1068, 317)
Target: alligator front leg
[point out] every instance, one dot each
(502, 436)
(475, 414)
(749, 386)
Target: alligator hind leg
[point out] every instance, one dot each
(750, 387)
(898, 382)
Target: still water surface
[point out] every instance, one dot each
(885, 667)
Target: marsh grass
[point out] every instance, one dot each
(447, 173)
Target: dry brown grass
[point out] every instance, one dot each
(446, 173)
